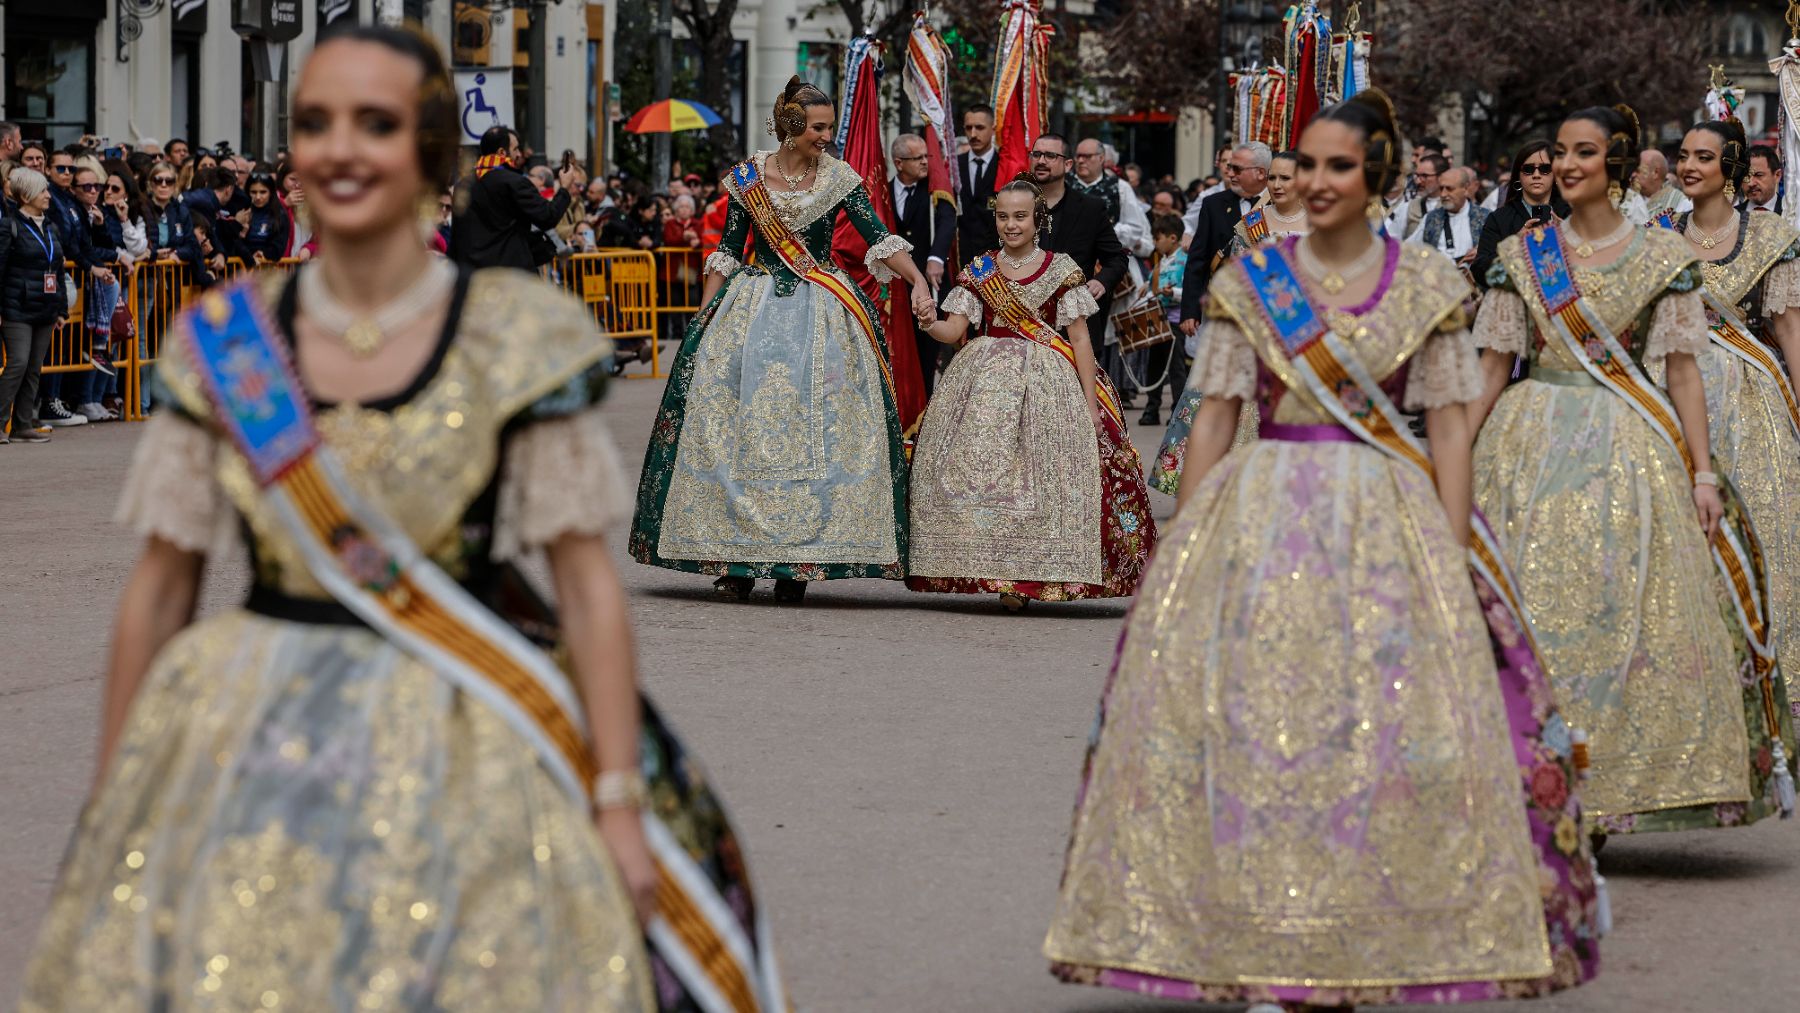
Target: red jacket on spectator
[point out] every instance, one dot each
(680, 233)
(712, 229)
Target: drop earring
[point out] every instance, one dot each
(1730, 193)
(1374, 211)
(1615, 193)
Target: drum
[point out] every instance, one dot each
(1142, 326)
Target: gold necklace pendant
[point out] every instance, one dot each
(1332, 283)
(364, 338)
(1584, 250)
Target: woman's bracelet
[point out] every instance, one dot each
(620, 789)
(1706, 478)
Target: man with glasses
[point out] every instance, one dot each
(1246, 177)
(1123, 211)
(929, 225)
(977, 168)
(1407, 219)
(1077, 227)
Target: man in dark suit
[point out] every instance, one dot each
(928, 225)
(1246, 175)
(496, 207)
(1762, 186)
(1078, 227)
(977, 168)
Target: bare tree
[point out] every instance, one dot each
(708, 24)
(1522, 65)
(1162, 55)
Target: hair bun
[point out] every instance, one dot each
(1631, 122)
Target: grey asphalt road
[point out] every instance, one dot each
(901, 765)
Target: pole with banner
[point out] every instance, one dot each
(859, 138)
(1019, 98)
(1786, 68)
(927, 83)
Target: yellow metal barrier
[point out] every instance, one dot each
(623, 289)
(619, 289)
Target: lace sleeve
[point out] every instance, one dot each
(170, 491)
(1502, 324)
(1226, 365)
(961, 300)
(1076, 304)
(1446, 371)
(1781, 288)
(560, 477)
(720, 262)
(1678, 325)
(880, 251)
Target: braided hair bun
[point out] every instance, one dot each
(789, 118)
(1734, 149)
(1023, 183)
(1370, 113)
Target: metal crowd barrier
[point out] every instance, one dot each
(619, 289)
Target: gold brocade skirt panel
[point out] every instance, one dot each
(303, 818)
(784, 451)
(1006, 474)
(1595, 515)
(1305, 774)
(1753, 441)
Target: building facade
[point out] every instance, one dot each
(148, 70)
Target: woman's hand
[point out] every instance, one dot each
(164, 253)
(924, 307)
(623, 831)
(1710, 508)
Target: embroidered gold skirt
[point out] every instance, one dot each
(1304, 775)
(1596, 517)
(303, 818)
(1753, 441)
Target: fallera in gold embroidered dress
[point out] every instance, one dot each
(1596, 516)
(301, 815)
(1013, 491)
(777, 450)
(1752, 438)
(1310, 781)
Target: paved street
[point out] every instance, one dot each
(901, 765)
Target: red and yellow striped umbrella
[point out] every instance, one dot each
(670, 115)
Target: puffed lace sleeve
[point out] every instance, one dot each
(561, 476)
(170, 489)
(1226, 366)
(720, 262)
(1678, 323)
(1446, 371)
(1503, 324)
(962, 301)
(875, 260)
(1781, 285)
(1076, 304)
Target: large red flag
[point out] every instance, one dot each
(1021, 104)
(859, 137)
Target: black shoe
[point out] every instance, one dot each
(790, 591)
(734, 588)
(1151, 417)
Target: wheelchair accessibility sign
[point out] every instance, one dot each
(485, 99)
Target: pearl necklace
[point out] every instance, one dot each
(364, 336)
(1298, 216)
(1585, 248)
(1335, 281)
(1709, 240)
(1019, 265)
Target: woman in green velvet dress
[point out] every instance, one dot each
(777, 451)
